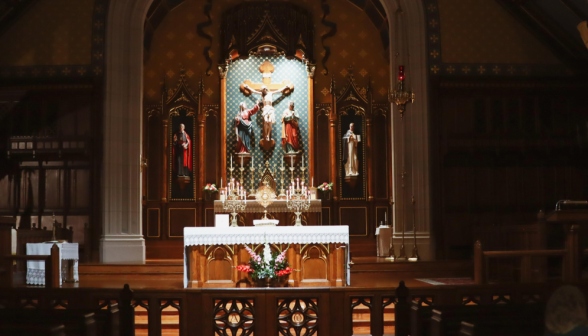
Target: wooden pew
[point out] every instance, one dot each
(501, 327)
(76, 323)
(420, 319)
(52, 270)
(446, 320)
(10, 329)
(481, 258)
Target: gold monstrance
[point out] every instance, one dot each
(265, 196)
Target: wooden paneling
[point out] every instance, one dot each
(153, 223)
(178, 219)
(154, 153)
(209, 217)
(504, 152)
(212, 149)
(325, 216)
(355, 218)
(322, 150)
(380, 156)
(79, 186)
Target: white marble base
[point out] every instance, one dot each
(425, 245)
(122, 249)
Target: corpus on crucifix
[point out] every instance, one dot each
(266, 91)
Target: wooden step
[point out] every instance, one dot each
(420, 269)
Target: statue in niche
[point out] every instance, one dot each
(290, 130)
(244, 127)
(350, 141)
(182, 152)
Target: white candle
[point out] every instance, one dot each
(221, 182)
(302, 160)
(241, 162)
(291, 161)
(231, 160)
(297, 183)
(252, 160)
(312, 185)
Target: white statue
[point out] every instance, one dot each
(350, 141)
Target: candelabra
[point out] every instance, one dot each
(241, 169)
(252, 170)
(302, 169)
(298, 200)
(282, 191)
(234, 202)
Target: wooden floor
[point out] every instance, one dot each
(366, 272)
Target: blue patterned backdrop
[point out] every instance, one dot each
(292, 70)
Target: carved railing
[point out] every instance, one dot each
(273, 311)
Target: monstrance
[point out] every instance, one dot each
(265, 196)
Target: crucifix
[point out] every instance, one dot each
(266, 89)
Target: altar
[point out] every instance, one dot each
(317, 254)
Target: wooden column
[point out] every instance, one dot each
(165, 165)
(311, 156)
(370, 155)
(478, 263)
(223, 69)
(333, 142)
(202, 145)
(573, 252)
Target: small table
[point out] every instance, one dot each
(69, 252)
(384, 234)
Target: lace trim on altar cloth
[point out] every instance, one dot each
(274, 235)
(36, 276)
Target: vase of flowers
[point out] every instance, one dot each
(267, 269)
(209, 190)
(326, 189)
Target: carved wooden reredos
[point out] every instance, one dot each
(249, 26)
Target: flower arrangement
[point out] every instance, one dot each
(266, 264)
(211, 188)
(325, 187)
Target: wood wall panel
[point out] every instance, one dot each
(322, 150)
(154, 130)
(380, 156)
(326, 216)
(355, 218)
(153, 223)
(178, 219)
(209, 217)
(504, 153)
(212, 150)
(79, 186)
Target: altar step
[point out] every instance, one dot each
(419, 269)
(170, 269)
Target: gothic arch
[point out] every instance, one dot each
(122, 238)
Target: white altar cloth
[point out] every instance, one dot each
(36, 269)
(335, 234)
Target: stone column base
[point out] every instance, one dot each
(425, 245)
(122, 249)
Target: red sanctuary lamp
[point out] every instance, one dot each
(399, 96)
